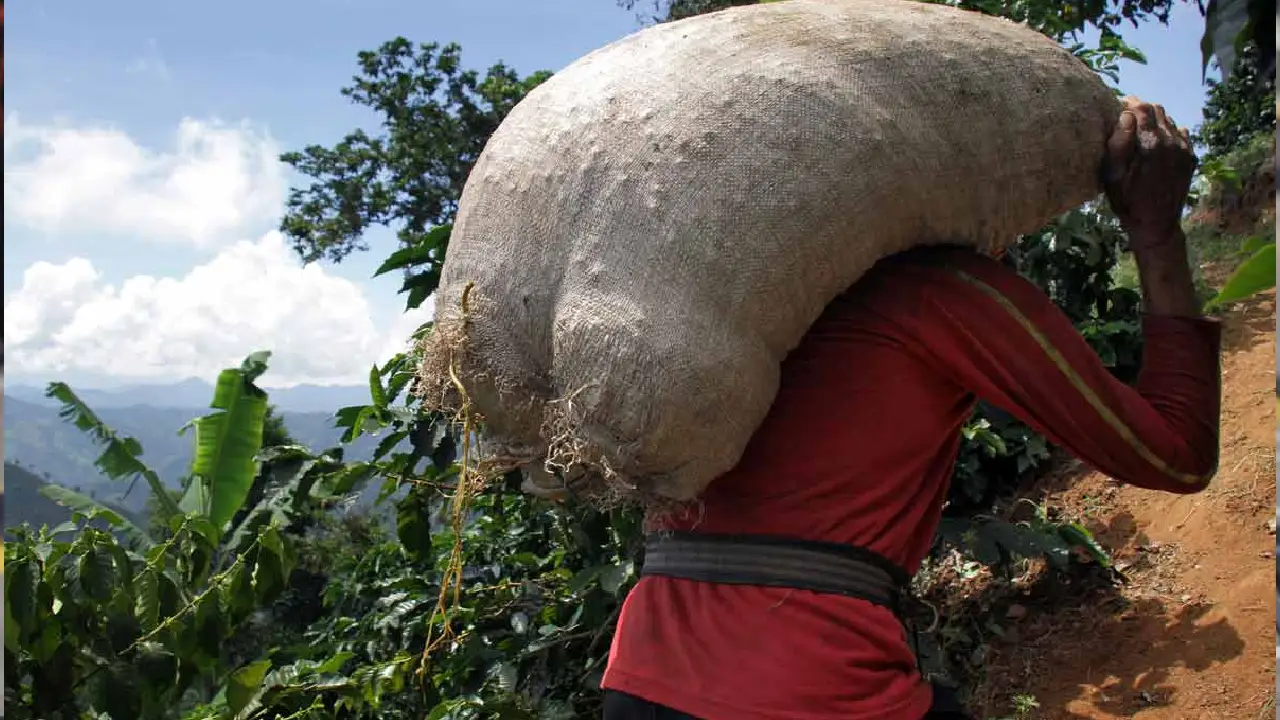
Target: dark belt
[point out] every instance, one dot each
(769, 561)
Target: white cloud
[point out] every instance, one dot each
(250, 296)
(216, 183)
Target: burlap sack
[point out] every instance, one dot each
(650, 232)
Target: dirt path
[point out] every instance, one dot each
(1190, 635)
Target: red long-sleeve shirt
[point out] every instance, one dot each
(858, 448)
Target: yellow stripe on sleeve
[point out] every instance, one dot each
(1108, 415)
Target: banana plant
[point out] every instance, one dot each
(227, 442)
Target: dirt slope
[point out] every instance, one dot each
(1190, 635)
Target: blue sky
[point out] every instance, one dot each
(138, 139)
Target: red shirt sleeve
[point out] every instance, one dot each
(999, 337)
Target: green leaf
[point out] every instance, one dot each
(273, 542)
(97, 574)
(255, 365)
(21, 602)
(12, 631)
(388, 443)
(1115, 43)
(67, 526)
(199, 561)
(210, 627)
(1225, 22)
(87, 505)
(350, 478)
(376, 391)
(228, 441)
(403, 258)
(1256, 243)
(120, 458)
(419, 287)
(357, 420)
(117, 691)
(1255, 275)
(196, 499)
(158, 666)
(1077, 534)
(244, 684)
(268, 575)
(413, 526)
(146, 591)
(170, 595)
(423, 252)
(615, 577)
(585, 577)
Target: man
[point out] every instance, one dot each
(865, 431)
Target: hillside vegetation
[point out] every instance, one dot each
(27, 504)
(37, 439)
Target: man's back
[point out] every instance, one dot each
(858, 449)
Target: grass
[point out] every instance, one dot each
(1208, 249)
(1268, 709)
(1207, 245)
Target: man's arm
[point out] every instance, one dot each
(1001, 338)
(1164, 272)
(1147, 175)
(996, 335)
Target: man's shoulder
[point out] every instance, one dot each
(931, 268)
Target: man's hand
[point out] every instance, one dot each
(1147, 173)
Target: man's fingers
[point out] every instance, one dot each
(1162, 119)
(1121, 140)
(1146, 117)
(1169, 130)
(1121, 146)
(1128, 122)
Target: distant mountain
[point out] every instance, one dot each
(194, 393)
(26, 504)
(44, 444)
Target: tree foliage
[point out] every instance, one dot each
(1230, 26)
(1050, 18)
(1240, 36)
(436, 117)
(1237, 107)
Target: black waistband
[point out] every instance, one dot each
(772, 561)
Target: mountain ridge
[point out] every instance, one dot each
(38, 440)
(195, 393)
(27, 505)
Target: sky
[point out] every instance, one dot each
(143, 189)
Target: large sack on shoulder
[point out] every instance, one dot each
(651, 231)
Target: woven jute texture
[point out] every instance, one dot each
(650, 232)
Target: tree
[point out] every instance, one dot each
(436, 117)
(1047, 17)
(274, 431)
(680, 9)
(1239, 106)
